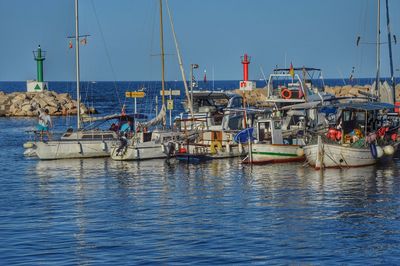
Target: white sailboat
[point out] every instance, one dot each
(158, 143)
(80, 143)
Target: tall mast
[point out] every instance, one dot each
(390, 52)
(162, 55)
(378, 49)
(189, 99)
(78, 96)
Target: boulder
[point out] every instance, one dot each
(18, 98)
(26, 108)
(4, 99)
(28, 104)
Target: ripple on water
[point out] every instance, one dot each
(100, 211)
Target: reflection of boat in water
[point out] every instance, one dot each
(90, 167)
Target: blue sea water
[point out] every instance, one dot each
(98, 211)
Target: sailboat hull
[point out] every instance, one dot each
(53, 150)
(141, 151)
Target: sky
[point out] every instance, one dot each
(124, 38)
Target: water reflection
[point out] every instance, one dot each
(164, 207)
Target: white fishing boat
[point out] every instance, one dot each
(325, 155)
(271, 146)
(355, 140)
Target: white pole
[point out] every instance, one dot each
(378, 49)
(135, 106)
(170, 111)
(156, 105)
(78, 97)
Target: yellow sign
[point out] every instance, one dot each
(135, 94)
(170, 104)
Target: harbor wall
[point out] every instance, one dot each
(28, 104)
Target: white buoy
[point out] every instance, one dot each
(300, 152)
(379, 151)
(388, 150)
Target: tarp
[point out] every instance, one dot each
(244, 135)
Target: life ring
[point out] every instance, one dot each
(286, 94)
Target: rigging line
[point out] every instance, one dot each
(107, 54)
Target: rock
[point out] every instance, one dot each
(18, 98)
(4, 99)
(29, 103)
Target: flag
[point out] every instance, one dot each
(70, 45)
(205, 76)
(291, 70)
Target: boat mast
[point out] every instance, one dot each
(390, 53)
(78, 97)
(189, 99)
(378, 49)
(162, 56)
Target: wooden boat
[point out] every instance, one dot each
(351, 145)
(270, 146)
(327, 155)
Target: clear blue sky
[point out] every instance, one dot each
(211, 33)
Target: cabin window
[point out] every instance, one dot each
(347, 116)
(147, 136)
(361, 116)
(98, 136)
(277, 125)
(108, 136)
(236, 102)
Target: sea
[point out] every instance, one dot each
(104, 212)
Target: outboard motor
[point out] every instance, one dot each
(169, 149)
(122, 145)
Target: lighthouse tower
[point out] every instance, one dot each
(245, 84)
(38, 84)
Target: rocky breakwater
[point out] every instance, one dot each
(256, 97)
(357, 90)
(29, 103)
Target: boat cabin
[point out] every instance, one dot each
(208, 108)
(355, 121)
(285, 85)
(270, 131)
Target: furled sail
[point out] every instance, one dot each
(157, 120)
